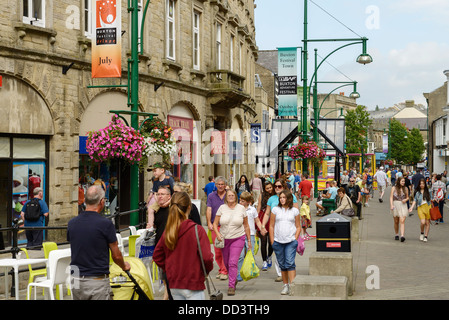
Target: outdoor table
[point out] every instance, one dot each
(16, 264)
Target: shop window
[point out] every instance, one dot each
(4, 147)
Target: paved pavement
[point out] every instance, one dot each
(410, 270)
(407, 270)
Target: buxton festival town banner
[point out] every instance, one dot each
(106, 42)
(288, 80)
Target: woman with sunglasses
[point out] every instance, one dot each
(279, 186)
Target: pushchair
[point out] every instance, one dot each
(131, 285)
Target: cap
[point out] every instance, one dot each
(157, 165)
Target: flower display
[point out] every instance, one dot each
(158, 140)
(308, 150)
(115, 141)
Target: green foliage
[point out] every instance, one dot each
(357, 124)
(405, 147)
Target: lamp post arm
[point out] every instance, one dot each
(327, 96)
(319, 65)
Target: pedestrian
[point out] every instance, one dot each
(382, 181)
(34, 212)
(177, 251)
(91, 238)
(438, 195)
(246, 200)
(163, 197)
(422, 200)
(355, 194)
(242, 185)
(285, 228)
(265, 245)
(416, 179)
(305, 187)
(398, 205)
(306, 221)
(330, 194)
(214, 201)
(194, 214)
(344, 202)
(160, 179)
(232, 218)
(344, 180)
(256, 188)
(210, 187)
(279, 186)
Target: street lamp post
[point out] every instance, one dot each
(363, 58)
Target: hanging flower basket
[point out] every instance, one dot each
(116, 141)
(308, 150)
(158, 140)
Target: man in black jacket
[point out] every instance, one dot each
(354, 193)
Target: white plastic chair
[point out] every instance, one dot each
(197, 203)
(58, 273)
(120, 243)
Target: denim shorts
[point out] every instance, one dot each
(286, 254)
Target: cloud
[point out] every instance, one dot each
(435, 11)
(397, 75)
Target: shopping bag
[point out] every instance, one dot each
(301, 246)
(256, 244)
(249, 268)
(209, 235)
(435, 213)
(145, 246)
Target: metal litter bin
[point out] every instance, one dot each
(333, 233)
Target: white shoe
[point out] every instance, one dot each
(425, 239)
(421, 237)
(285, 290)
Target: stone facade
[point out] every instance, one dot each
(34, 57)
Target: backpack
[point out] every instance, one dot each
(369, 179)
(33, 210)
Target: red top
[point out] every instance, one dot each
(304, 187)
(182, 266)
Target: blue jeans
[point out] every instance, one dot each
(243, 254)
(286, 254)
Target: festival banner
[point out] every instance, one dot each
(106, 42)
(287, 81)
(385, 144)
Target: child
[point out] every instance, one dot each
(305, 217)
(246, 200)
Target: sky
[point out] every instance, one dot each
(408, 41)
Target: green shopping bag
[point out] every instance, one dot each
(256, 244)
(249, 268)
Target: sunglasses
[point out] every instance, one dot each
(277, 186)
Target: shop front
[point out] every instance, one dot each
(25, 132)
(185, 161)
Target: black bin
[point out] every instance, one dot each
(333, 233)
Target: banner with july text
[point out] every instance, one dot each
(106, 42)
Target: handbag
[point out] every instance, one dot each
(301, 247)
(216, 294)
(219, 244)
(348, 212)
(435, 213)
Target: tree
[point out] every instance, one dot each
(417, 146)
(357, 122)
(399, 146)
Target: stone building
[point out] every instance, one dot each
(438, 107)
(197, 65)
